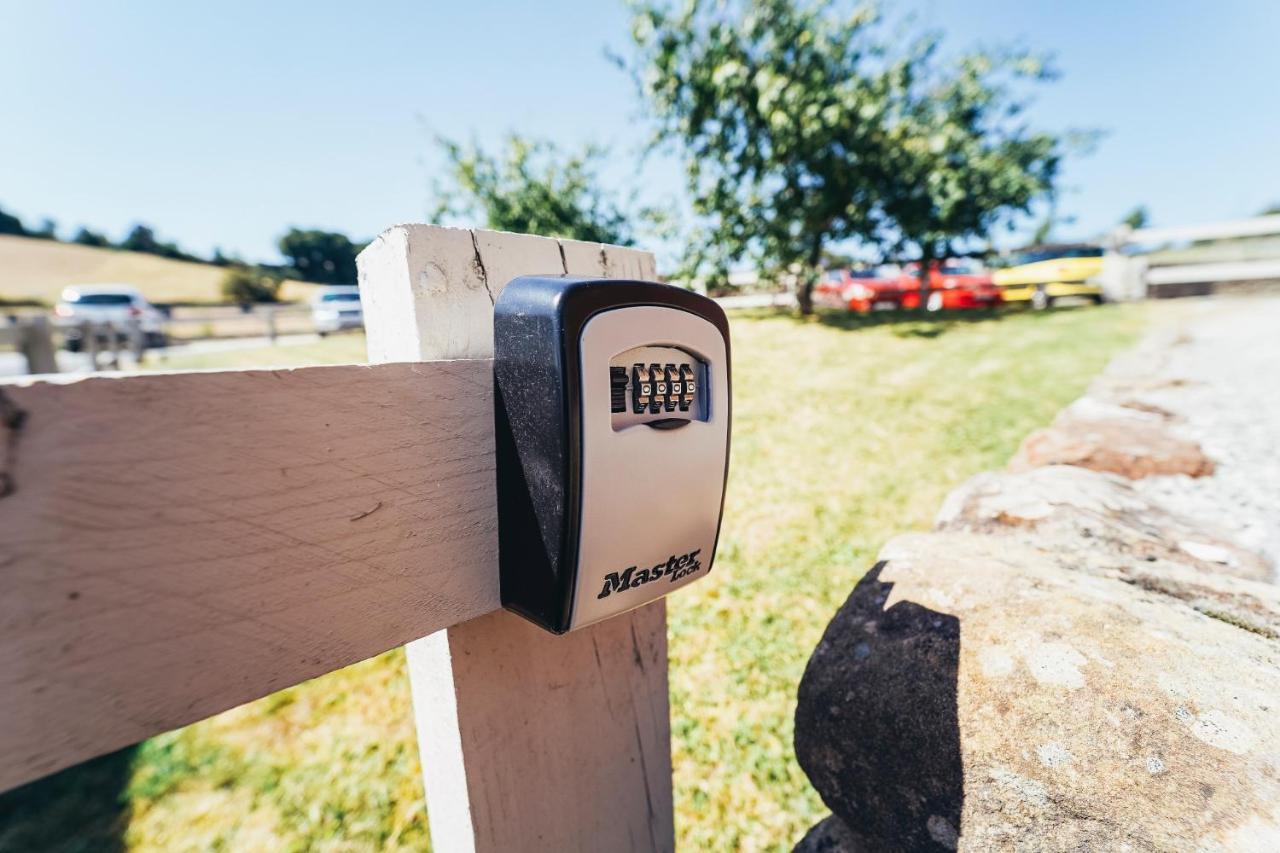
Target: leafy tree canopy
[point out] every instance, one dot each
(804, 126)
(88, 237)
(324, 257)
(141, 238)
(10, 224)
(244, 284)
(218, 259)
(775, 106)
(1136, 218)
(960, 159)
(530, 187)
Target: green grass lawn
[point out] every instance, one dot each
(846, 432)
(35, 271)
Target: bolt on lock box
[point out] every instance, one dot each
(612, 412)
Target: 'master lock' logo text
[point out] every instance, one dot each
(673, 569)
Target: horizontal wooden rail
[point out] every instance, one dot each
(1254, 227)
(173, 545)
(257, 313)
(1255, 270)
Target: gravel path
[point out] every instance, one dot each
(1218, 370)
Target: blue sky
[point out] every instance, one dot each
(223, 124)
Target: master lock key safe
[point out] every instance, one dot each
(612, 409)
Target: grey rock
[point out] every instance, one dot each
(1004, 703)
(1095, 520)
(1095, 408)
(1101, 524)
(1128, 446)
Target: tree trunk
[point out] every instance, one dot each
(804, 294)
(808, 278)
(926, 261)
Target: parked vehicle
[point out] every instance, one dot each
(954, 285)
(1043, 274)
(861, 290)
(121, 306)
(337, 308)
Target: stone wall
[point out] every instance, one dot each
(1067, 662)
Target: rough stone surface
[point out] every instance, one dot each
(1098, 408)
(1092, 520)
(1131, 447)
(1100, 523)
(1218, 376)
(970, 689)
(1076, 660)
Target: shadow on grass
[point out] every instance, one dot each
(907, 324)
(81, 809)
(904, 324)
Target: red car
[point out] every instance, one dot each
(859, 290)
(953, 285)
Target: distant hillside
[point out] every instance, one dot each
(39, 269)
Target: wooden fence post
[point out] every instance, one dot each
(137, 341)
(529, 741)
(36, 343)
(113, 341)
(89, 343)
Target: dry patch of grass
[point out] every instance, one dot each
(37, 270)
(846, 433)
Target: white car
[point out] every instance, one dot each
(120, 305)
(336, 308)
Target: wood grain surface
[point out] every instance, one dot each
(174, 545)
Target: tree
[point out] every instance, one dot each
(141, 238)
(219, 259)
(324, 257)
(1052, 219)
(242, 285)
(779, 110)
(960, 160)
(87, 237)
(530, 187)
(1136, 218)
(1044, 231)
(803, 128)
(48, 229)
(10, 224)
